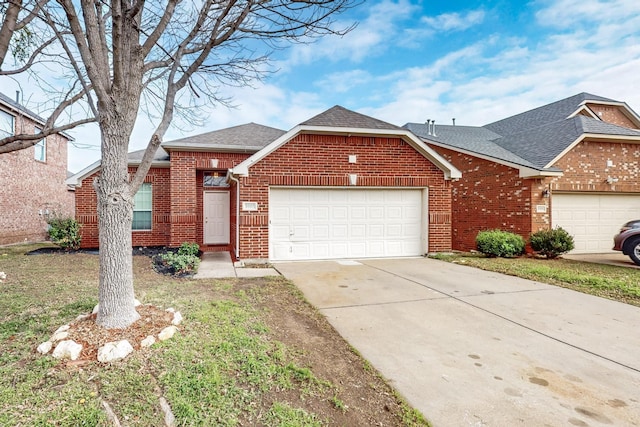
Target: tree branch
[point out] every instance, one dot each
(22, 141)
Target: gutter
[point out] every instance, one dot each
(237, 181)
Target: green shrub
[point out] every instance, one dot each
(181, 263)
(498, 243)
(65, 232)
(551, 243)
(189, 249)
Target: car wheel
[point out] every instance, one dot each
(634, 250)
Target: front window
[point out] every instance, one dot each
(215, 179)
(6, 124)
(40, 149)
(142, 203)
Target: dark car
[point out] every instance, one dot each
(628, 240)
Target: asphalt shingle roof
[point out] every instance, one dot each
(544, 115)
(533, 138)
(474, 139)
(18, 107)
(340, 117)
(249, 137)
(160, 156)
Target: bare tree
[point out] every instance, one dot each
(124, 52)
(28, 40)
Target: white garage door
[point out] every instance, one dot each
(593, 219)
(344, 223)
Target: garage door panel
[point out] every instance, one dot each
(394, 230)
(358, 231)
(339, 213)
(339, 231)
(358, 213)
(279, 232)
(394, 212)
(320, 232)
(376, 231)
(320, 213)
(344, 223)
(593, 219)
(376, 212)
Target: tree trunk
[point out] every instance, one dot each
(115, 216)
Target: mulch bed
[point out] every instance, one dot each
(149, 251)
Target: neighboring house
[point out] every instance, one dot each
(574, 163)
(32, 180)
(340, 185)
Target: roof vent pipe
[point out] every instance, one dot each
(454, 121)
(428, 123)
(18, 97)
(434, 127)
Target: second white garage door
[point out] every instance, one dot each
(593, 219)
(307, 224)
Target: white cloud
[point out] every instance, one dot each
(499, 76)
(566, 13)
(344, 81)
(454, 21)
(371, 37)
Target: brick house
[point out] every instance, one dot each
(339, 185)
(574, 163)
(32, 180)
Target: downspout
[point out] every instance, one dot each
(237, 181)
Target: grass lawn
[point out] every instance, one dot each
(608, 281)
(249, 352)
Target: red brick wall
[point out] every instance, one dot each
(612, 114)
(29, 187)
(86, 211)
(187, 170)
(585, 168)
(489, 196)
(177, 201)
(322, 160)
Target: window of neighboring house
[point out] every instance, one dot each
(142, 203)
(40, 149)
(215, 179)
(6, 124)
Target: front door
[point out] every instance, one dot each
(216, 218)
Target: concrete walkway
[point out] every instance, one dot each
(473, 348)
(218, 265)
(610, 258)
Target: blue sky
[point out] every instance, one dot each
(408, 61)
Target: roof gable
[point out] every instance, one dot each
(541, 116)
(336, 121)
(340, 117)
(535, 139)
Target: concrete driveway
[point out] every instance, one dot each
(474, 348)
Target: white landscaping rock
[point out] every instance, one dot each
(62, 328)
(167, 333)
(177, 318)
(82, 317)
(113, 351)
(59, 336)
(45, 347)
(67, 349)
(148, 341)
(171, 310)
(136, 303)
